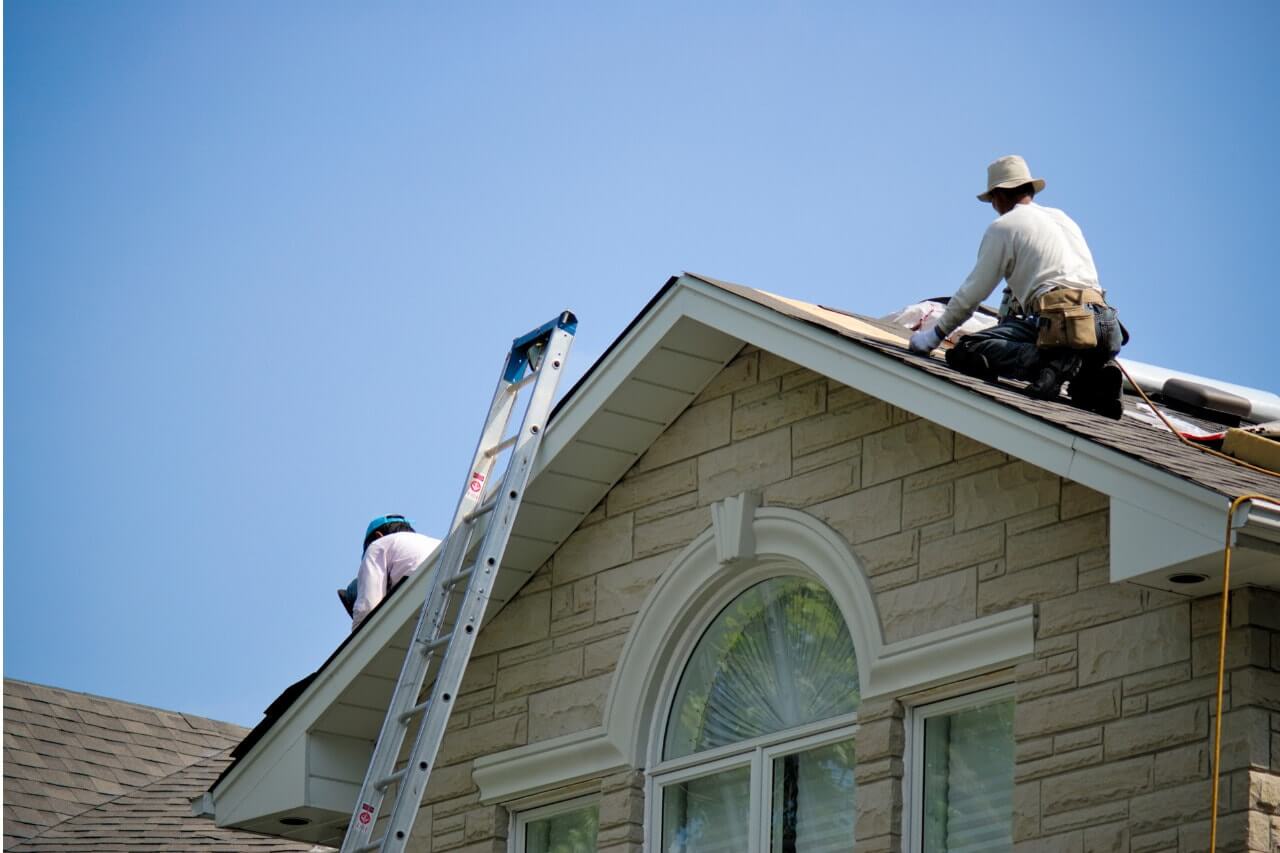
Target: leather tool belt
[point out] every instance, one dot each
(1066, 320)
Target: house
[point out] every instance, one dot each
(778, 584)
(85, 773)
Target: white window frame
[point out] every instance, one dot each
(913, 781)
(521, 819)
(754, 752)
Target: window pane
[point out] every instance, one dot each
(778, 656)
(707, 815)
(968, 794)
(570, 832)
(813, 800)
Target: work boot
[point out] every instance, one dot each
(970, 363)
(1052, 374)
(1099, 389)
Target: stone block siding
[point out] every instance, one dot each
(1113, 715)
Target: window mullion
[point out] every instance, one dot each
(759, 803)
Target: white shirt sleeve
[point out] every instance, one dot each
(371, 583)
(993, 258)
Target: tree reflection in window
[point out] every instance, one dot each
(779, 656)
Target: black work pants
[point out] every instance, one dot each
(1009, 347)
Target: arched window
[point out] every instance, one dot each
(758, 746)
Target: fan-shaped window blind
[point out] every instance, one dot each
(778, 656)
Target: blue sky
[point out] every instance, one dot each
(262, 261)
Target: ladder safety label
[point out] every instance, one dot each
(476, 485)
(366, 814)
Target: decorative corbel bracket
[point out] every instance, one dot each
(731, 519)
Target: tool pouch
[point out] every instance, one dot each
(1066, 320)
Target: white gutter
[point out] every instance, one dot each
(1259, 519)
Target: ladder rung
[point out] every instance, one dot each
(371, 846)
(501, 446)
(386, 781)
(416, 709)
(484, 509)
(437, 643)
(514, 387)
(454, 580)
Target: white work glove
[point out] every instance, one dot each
(925, 342)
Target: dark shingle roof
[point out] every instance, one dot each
(83, 772)
(1152, 445)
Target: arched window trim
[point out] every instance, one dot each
(699, 583)
(747, 543)
(745, 539)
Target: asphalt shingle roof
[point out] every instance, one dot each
(1153, 445)
(83, 772)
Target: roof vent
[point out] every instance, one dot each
(1194, 398)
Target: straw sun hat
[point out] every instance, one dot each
(1007, 173)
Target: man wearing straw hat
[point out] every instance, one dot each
(1055, 327)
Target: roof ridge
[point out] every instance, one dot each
(183, 714)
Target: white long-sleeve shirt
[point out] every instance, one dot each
(385, 562)
(1034, 249)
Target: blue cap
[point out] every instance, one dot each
(385, 519)
(379, 522)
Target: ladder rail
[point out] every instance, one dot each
(488, 563)
(414, 669)
(433, 639)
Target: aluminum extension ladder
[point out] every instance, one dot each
(459, 594)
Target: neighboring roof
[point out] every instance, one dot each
(83, 772)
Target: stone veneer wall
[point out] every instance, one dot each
(1113, 713)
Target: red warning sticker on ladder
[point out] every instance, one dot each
(476, 485)
(366, 814)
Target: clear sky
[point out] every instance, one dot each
(262, 260)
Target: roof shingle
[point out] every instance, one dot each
(87, 773)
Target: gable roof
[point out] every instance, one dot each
(1167, 500)
(84, 772)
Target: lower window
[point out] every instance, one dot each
(794, 800)
(561, 828)
(963, 756)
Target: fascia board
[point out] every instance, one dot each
(952, 406)
(1144, 541)
(278, 785)
(328, 685)
(608, 375)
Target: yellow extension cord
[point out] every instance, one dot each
(1226, 584)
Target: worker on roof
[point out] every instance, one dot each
(1055, 326)
(392, 552)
